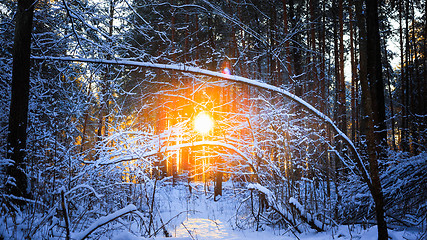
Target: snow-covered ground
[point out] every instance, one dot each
(198, 216)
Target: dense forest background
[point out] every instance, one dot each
(334, 133)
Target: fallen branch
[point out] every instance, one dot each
(305, 216)
(270, 203)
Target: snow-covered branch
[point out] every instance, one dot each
(238, 79)
(163, 149)
(104, 220)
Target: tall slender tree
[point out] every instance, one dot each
(374, 70)
(18, 115)
(342, 119)
(367, 74)
(353, 74)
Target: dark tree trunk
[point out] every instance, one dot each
(218, 179)
(403, 136)
(374, 71)
(296, 54)
(338, 114)
(105, 86)
(285, 33)
(416, 86)
(424, 84)
(336, 73)
(17, 138)
(373, 149)
(353, 75)
(323, 80)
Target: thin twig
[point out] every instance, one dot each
(72, 26)
(189, 232)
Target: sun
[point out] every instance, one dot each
(203, 123)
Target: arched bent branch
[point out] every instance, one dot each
(232, 78)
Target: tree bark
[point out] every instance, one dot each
(424, 85)
(18, 115)
(415, 90)
(218, 179)
(287, 53)
(296, 53)
(373, 149)
(342, 119)
(403, 138)
(374, 71)
(353, 75)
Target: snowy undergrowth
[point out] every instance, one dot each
(181, 213)
(195, 215)
(158, 209)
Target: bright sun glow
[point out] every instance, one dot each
(203, 123)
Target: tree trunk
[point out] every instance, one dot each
(338, 108)
(218, 178)
(296, 53)
(406, 96)
(374, 71)
(336, 112)
(342, 119)
(424, 85)
(353, 75)
(403, 138)
(287, 53)
(373, 149)
(323, 80)
(18, 115)
(105, 86)
(415, 93)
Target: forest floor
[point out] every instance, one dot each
(197, 216)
